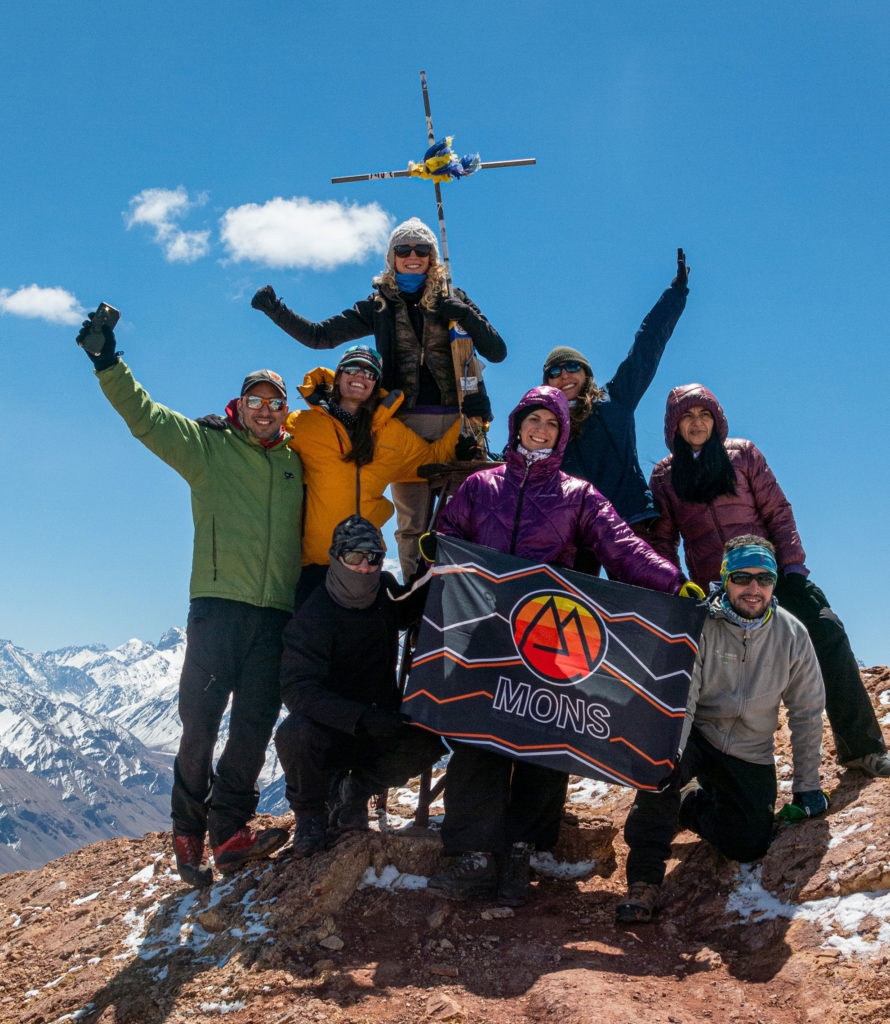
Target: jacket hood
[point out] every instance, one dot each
(550, 398)
(685, 397)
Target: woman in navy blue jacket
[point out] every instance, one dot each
(602, 447)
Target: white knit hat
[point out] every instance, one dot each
(410, 232)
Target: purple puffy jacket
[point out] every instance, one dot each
(538, 512)
(759, 505)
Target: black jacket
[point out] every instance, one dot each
(367, 318)
(338, 662)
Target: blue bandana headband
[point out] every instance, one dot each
(749, 556)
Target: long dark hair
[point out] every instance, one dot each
(589, 394)
(703, 478)
(359, 428)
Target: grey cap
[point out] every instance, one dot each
(264, 377)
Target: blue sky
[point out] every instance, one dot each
(172, 158)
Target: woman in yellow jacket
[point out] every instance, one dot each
(352, 447)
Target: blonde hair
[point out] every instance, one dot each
(435, 287)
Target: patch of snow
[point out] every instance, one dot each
(588, 791)
(87, 899)
(838, 917)
(392, 879)
(546, 864)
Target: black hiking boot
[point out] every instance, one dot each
(639, 905)
(310, 837)
(513, 889)
(472, 875)
(350, 814)
(191, 860)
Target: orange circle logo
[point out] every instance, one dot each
(561, 639)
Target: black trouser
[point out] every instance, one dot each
(733, 810)
(847, 704)
(493, 801)
(232, 648)
(311, 576)
(309, 752)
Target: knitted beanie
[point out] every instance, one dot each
(564, 354)
(410, 232)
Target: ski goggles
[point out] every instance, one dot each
(556, 371)
(420, 249)
(762, 579)
(352, 371)
(257, 402)
(357, 557)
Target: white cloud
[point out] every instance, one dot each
(160, 209)
(52, 304)
(298, 232)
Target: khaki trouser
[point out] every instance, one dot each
(412, 499)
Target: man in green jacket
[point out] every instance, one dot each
(246, 489)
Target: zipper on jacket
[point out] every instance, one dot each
(519, 510)
(358, 489)
(213, 545)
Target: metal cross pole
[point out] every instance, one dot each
(407, 174)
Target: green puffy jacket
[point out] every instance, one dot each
(246, 497)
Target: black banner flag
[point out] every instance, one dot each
(550, 665)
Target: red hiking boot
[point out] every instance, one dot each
(191, 860)
(245, 846)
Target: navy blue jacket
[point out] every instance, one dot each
(605, 452)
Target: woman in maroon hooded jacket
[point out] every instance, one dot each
(497, 809)
(713, 488)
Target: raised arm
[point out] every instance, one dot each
(635, 373)
(346, 326)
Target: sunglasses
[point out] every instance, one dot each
(256, 402)
(762, 579)
(556, 371)
(352, 371)
(357, 557)
(421, 249)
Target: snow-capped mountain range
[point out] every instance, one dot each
(87, 740)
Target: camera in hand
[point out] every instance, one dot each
(105, 316)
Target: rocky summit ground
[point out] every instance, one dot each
(109, 934)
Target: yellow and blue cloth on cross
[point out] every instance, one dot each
(440, 163)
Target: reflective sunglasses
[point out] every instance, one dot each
(257, 402)
(556, 371)
(366, 372)
(357, 557)
(762, 579)
(421, 249)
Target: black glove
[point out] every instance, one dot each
(452, 308)
(467, 449)
(213, 422)
(267, 301)
(108, 355)
(379, 724)
(795, 582)
(477, 404)
(682, 278)
(427, 546)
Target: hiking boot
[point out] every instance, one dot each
(191, 860)
(310, 836)
(877, 765)
(639, 904)
(350, 814)
(513, 876)
(245, 846)
(471, 875)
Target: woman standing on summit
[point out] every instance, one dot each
(602, 447)
(408, 314)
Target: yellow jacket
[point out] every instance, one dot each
(336, 489)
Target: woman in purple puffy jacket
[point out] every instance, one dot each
(496, 808)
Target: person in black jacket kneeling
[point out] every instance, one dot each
(338, 681)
